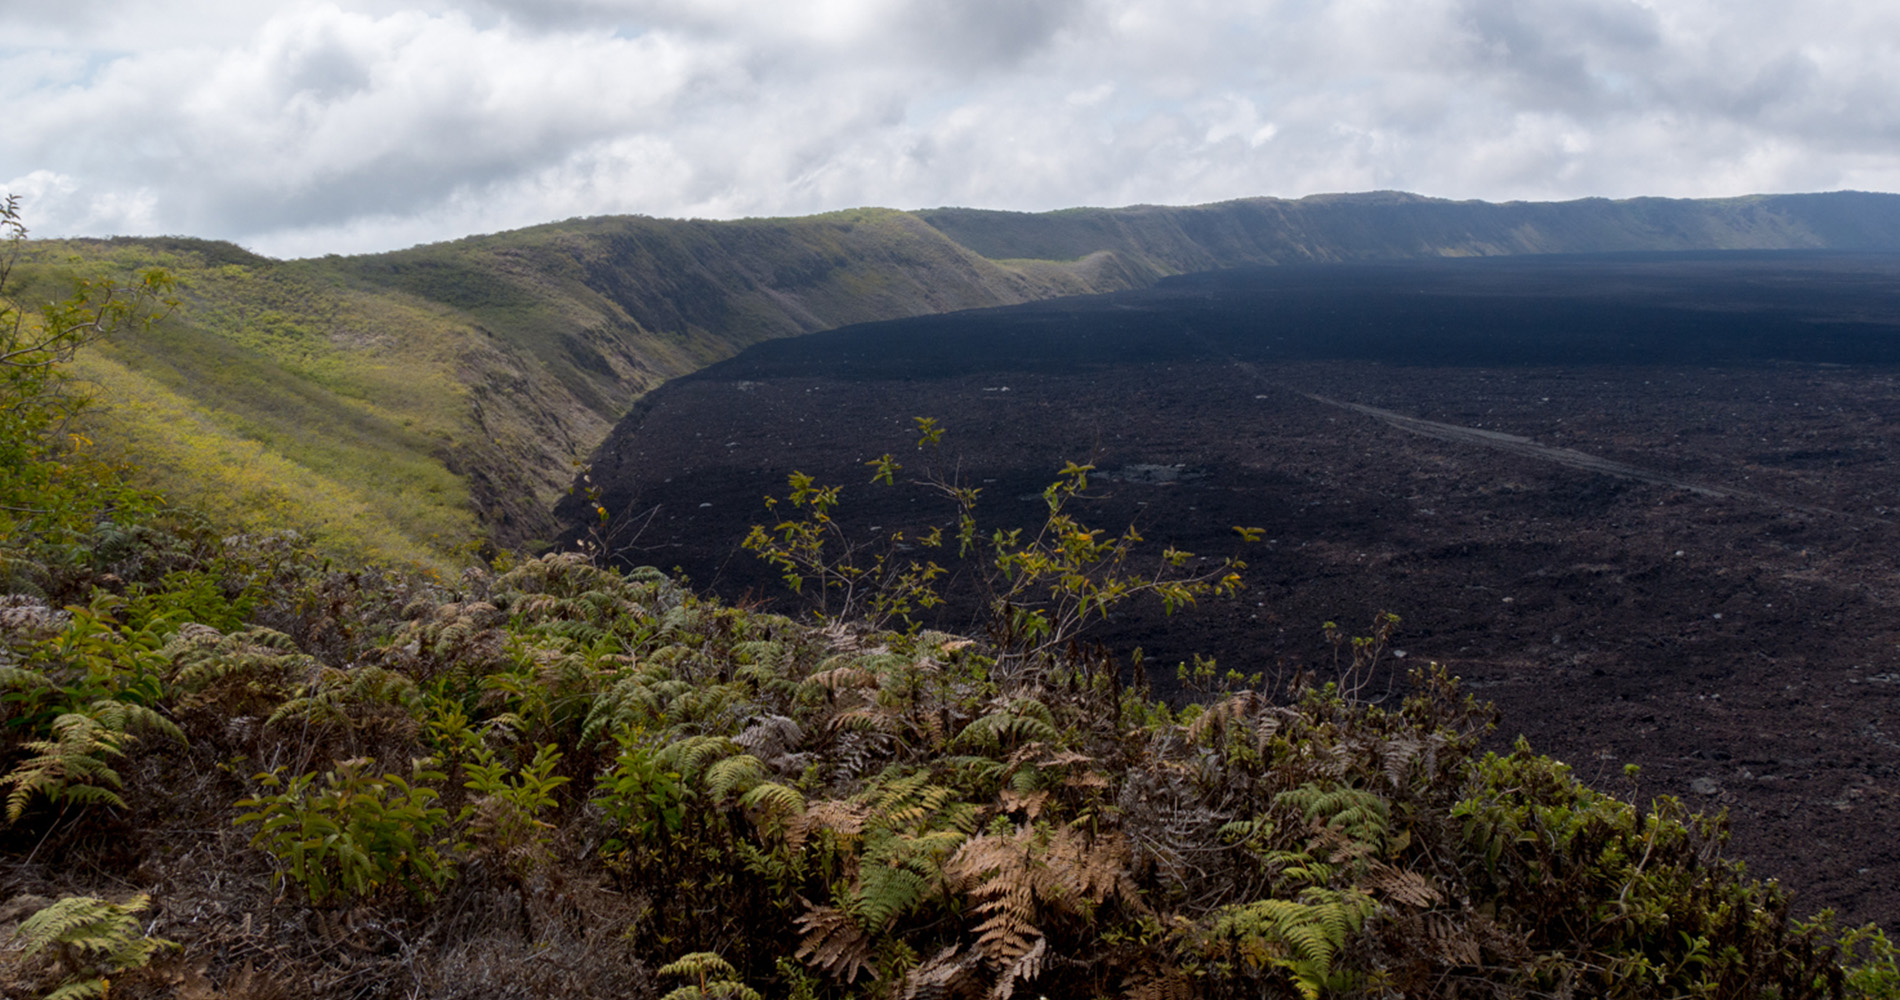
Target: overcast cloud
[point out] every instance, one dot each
(308, 128)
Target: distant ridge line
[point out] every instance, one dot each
(1396, 225)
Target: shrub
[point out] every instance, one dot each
(352, 834)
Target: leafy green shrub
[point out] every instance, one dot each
(644, 801)
(352, 834)
(1042, 589)
(1869, 962)
(1620, 902)
(505, 817)
(196, 596)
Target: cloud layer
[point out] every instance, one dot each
(306, 128)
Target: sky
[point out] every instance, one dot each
(298, 129)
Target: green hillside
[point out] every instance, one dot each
(418, 404)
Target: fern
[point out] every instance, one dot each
(348, 699)
(834, 941)
(771, 657)
(717, 708)
(944, 975)
(90, 939)
(1025, 720)
(71, 767)
(241, 673)
(733, 775)
(885, 893)
(629, 702)
(844, 821)
(777, 807)
(1036, 871)
(1302, 937)
(691, 757)
(713, 976)
(771, 736)
(1361, 815)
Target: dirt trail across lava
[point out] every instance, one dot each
(1519, 445)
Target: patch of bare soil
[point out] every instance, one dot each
(1654, 551)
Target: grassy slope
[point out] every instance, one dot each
(275, 398)
(410, 404)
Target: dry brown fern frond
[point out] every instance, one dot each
(1234, 708)
(1451, 942)
(847, 677)
(1098, 868)
(843, 820)
(1167, 986)
(1028, 803)
(834, 942)
(950, 973)
(1002, 872)
(1020, 877)
(1026, 967)
(1402, 885)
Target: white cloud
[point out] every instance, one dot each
(365, 124)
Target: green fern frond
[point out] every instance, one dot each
(1302, 937)
(773, 656)
(22, 679)
(714, 708)
(1361, 815)
(769, 798)
(713, 976)
(92, 938)
(884, 893)
(693, 755)
(84, 989)
(70, 766)
(734, 775)
(339, 697)
(1007, 728)
(629, 702)
(128, 717)
(700, 965)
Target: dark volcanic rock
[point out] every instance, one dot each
(1646, 504)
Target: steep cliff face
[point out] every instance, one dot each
(580, 318)
(497, 362)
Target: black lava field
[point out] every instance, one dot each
(1647, 504)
